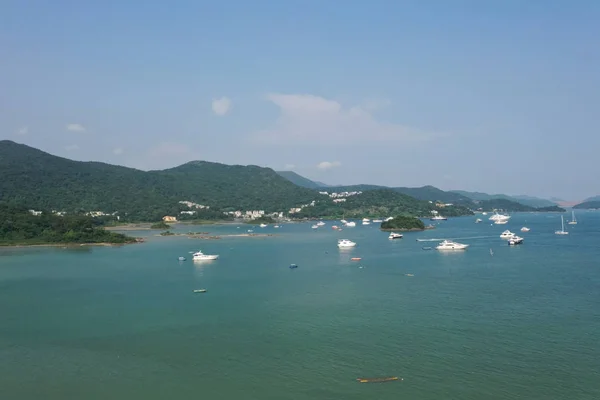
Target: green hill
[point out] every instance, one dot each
(300, 180)
(513, 206)
(593, 198)
(530, 201)
(36, 179)
(588, 205)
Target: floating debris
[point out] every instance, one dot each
(199, 290)
(379, 380)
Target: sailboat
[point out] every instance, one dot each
(562, 231)
(573, 221)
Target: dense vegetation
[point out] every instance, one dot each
(590, 205)
(36, 179)
(403, 223)
(376, 203)
(512, 206)
(18, 226)
(160, 225)
(300, 180)
(531, 201)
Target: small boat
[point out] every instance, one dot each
(501, 221)
(562, 230)
(343, 221)
(438, 218)
(378, 380)
(276, 226)
(478, 220)
(199, 290)
(335, 227)
(315, 226)
(355, 259)
(181, 258)
(320, 223)
(525, 229)
(449, 245)
(377, 221)
(491, 252)
(250, 231)
(507, 234)
(394, 235)
(292, 266)
(573, 221)
(408, 275)
(199, 256)
(366, 220)
(350, 224)
(366, 223)
(263, 225)
(345, 243)
(515, 240)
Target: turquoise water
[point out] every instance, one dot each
(123, 323)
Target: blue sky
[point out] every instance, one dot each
(475, 95)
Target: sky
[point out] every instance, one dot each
(493, 96)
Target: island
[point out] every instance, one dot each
(160, 225)
(403, 223)
(22, 227)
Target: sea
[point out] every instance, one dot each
(518, 322)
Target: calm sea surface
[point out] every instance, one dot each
(123, 323)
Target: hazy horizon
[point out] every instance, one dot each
(495, 97)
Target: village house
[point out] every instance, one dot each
(168, 218)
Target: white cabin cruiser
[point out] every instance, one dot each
(525, 229)
(344, 243)
(515, 240)
(199, 256)
(450, 245)
(507, 234)
(394, 235)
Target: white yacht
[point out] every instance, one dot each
(450, 245)
(573, 221)
(366, 220)
(199, 256)
(263, 225)
(515, 240)
(343, 243)
(507, 234)
(350, 224)
(394, 235)
(320, 223)
(562, 230)
(438, 218)
(366, 223)
(525, 229)
(499, 217)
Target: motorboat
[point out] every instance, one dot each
(355, 259)
(350, 224)
(181, 258)
(344, 243)
(199, 256)
(478, 220)
(450, 245)
(525, 229)
(343, 221)
(499, 217)
(366, 220)
(293, 266)
(377, 221)
(315, 226)
(263, 225)
(562, 230)
(438, 218)
(276, 226)
(199, 290)
(573, 221)
(507, 234)
(500, 221)
(320, 223)
(334, 227)
(366, 223)
(250, 231)
(515, 240)
(394, 235)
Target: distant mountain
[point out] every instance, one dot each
(428, 193)
(556, 199)
(513, 206)
(593, 198)
(588, 205)
(36, 179)
(300, 180)
(531, 201)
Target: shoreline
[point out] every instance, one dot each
(217, 237)
(65, 245)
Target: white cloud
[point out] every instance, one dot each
(289, 166)
(308, 119)
(328, 164)
(71, 147)
(23, 131)
(76, 128)
(221, 106)
(118, 151)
